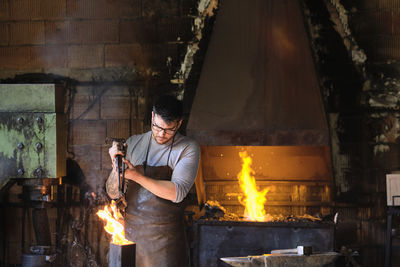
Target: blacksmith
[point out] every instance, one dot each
(162, 166)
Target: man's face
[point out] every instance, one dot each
(162, 131)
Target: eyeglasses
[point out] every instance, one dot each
(168, 131)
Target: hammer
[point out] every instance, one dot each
(300, 250)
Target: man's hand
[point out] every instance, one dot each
(161, 188)
(114, 151)
(132, 173)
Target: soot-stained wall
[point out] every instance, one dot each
(356, 46)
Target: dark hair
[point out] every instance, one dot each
(169, 108)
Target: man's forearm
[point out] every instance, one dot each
(160, 188)
(112, 187)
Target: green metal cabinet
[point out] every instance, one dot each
(32, 131)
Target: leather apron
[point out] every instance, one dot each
(155, 224)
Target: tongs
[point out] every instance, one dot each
(120, 169)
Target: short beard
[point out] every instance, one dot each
(155, 138)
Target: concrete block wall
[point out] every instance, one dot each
(85, 34)
(115, 113)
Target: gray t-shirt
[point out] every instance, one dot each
(184, 158)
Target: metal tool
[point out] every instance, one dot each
(118, 162)
(120, 169)
(300, 250)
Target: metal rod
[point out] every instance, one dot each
(118, 172)
(123, 178)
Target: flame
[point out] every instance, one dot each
(111, 215)
(253, 200)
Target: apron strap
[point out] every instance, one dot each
(148, 149)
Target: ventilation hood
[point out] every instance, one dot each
(258, 84)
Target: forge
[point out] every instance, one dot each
(299, 184)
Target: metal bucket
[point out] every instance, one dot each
(40, 256)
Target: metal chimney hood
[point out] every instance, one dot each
(258, 84)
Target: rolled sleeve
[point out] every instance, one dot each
(185, 171)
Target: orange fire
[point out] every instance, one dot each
(253, 199)
(111, 215)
